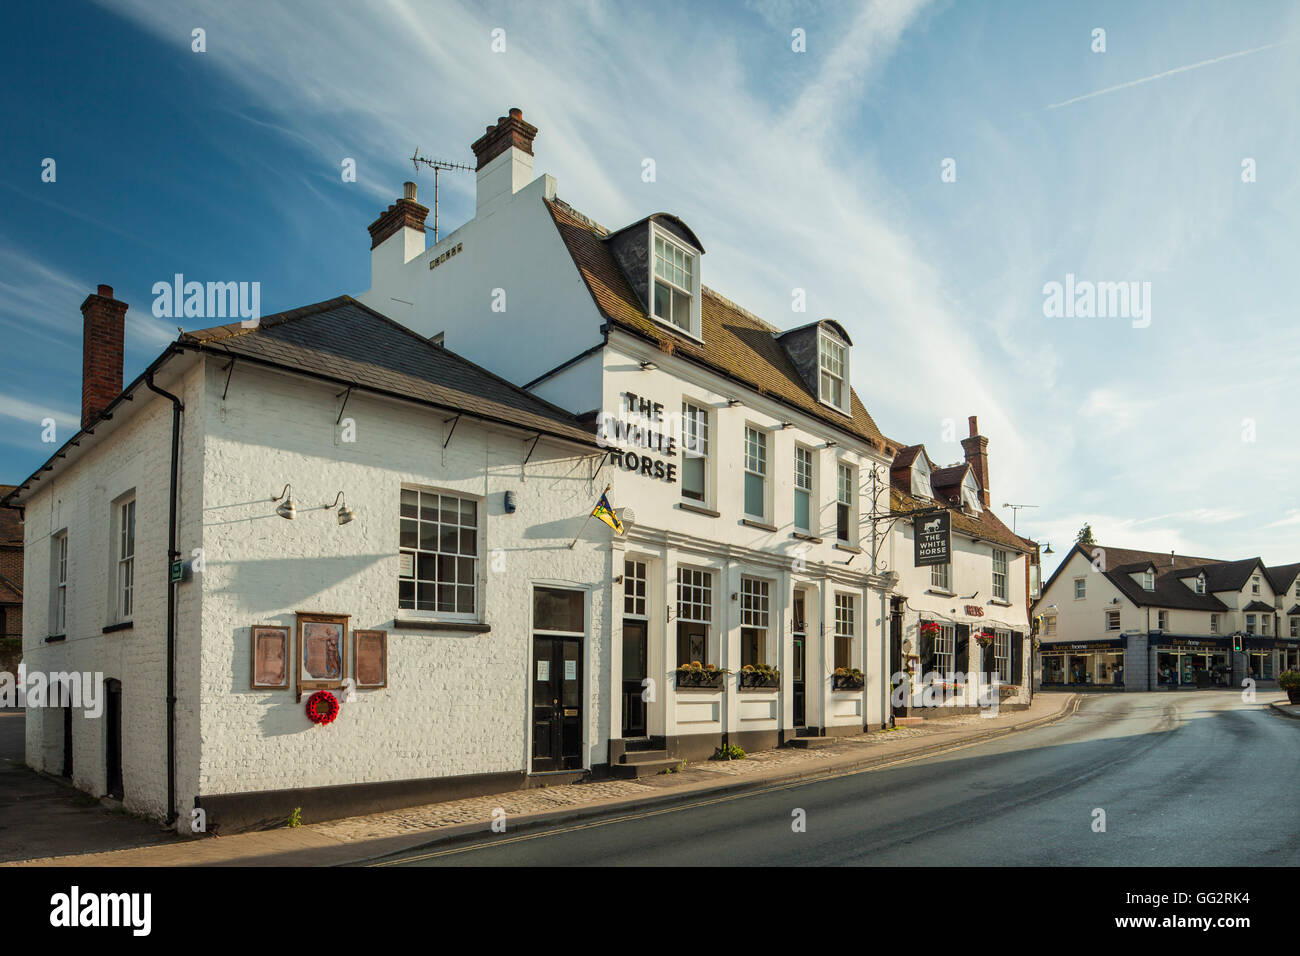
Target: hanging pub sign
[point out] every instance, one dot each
(933, 539)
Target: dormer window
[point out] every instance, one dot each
(1200, 584)
(921, 478)
(1254, 585)
(1148, 581)
(970, 495)
(833, 364)
(676, 284)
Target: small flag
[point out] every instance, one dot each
(605, 513)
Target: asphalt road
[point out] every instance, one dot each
(1184, 779)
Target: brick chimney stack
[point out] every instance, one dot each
(406, 213)
(505, 159)
(976, 448)
(103, 327)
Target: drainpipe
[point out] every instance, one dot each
(172, 555)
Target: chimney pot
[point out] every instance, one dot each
(106, 291)
(976, 451)
(510, 131)
(974, 426)
(405, 213)
(408, 190)
(516, 112)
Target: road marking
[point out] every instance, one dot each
(646, 814)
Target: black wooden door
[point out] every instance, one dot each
(67, 740)
(798, 683)
(557, 703)
(635, 671)
(113, 737)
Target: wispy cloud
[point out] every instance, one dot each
(35, 413)
(1160, 76)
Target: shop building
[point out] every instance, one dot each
(745, 460)
(1119, 618)
(967, 615)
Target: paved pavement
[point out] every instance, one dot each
(43, 816)
(358, 839)
(1182, 779)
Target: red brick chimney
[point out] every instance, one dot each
(406, 213)
(103, 325)
(505, 161)
(976, 448)
(510, 131)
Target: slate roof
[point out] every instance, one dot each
(1283, 577)
(351, 343)
(1295, 609)
(737, 345)
(1259, 606)
(1228, 575)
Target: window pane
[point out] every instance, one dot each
(753, 495)
(693, 477)
(556, 609)
(468, 513)
(446, 597)
(410, 503)
(468, 541)
(448, 540)
(428, 507)
(801, 510)
(406, 594)
(450, 511)
(410, 535)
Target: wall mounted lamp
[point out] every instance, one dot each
(286, 508)
(345, 513)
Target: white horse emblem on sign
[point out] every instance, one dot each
(930, 527)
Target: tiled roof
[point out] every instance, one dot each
(1295, 609)
(1259, 606)
(1170, 591)
(985, 525)
(905, 456)
(950, 477)
(351, 343)
(737, 345)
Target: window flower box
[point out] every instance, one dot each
(760, 676)
(848, 678)
(703, 676)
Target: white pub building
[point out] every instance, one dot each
(341, 561)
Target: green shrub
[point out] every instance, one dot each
(1288, 680)
(295, 818)
(729, 752)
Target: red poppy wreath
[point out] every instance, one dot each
(322, 707)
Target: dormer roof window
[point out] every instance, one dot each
(833, 369)
(1200, 584)
(970, 494)
(676, 277)
(1148, 581)
(921, 477)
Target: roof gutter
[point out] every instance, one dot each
(172, 554)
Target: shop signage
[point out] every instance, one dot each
(933, 539)
(1070, 646)
(1191, 642)
(974, 610)
(639, 430)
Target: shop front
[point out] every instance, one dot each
(1192, 661)
(1288, 654)
(1097, 664)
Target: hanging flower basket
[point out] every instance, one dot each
(322, 707)
(984, 638)
(929, 627)
(848, 678)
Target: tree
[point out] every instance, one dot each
(1084, 536)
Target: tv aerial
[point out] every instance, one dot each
(437, 165)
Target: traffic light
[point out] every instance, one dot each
(1236, 642)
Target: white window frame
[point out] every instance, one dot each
(476, 568)
(941, 577)
(1263, 624)
(634, 587)
(695, 444)
(59, 575)
(846, 485)
(1001, 588)
(1162, 620)
(691, 256)
(695, 606)
(1200, 584)
(1115, 618)
(1214, 624)
(1148, 581)
(1049, 625)
(1002, 655)
(846, 615)
(124, 535)
(945, 651)
(755, 457)
(756, 612)
(805, 482)
(1250, 624)
(830, 352)
(1254, 584)
(1295, 626)
(1080, 593)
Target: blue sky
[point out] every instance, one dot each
(817, 170)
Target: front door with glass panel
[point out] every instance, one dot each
(634, 675)
(798, 691)
(559, 617)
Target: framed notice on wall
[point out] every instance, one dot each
(270, 667)
(370, 664)
(322, 650)
(933, 539)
